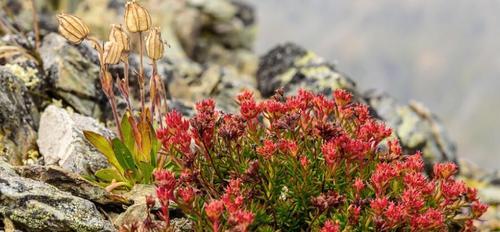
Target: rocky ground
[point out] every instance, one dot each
(48, 97)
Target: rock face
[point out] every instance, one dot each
(416, 127)
(18, 117)
(293, 67)
(36, 206)
(61, 141)
(67, 181)
(71, 74)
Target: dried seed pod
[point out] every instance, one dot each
(72, 28)
(118, 35)
(112, 52)
(137, 17)
(154, 44)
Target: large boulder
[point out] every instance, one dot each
(73, 183)
(292, 67)
(18, 117)
(36, 206)
(71, 73)
(61, 141)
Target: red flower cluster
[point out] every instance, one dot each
(231, 202)
(305, 162)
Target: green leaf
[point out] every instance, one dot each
(109, 174)
(147, 172)
(127, 132)
(104, 146)
(145, 130)
(155, 147)
(123, 155)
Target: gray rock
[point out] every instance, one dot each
(70, 182)
(71, 74)
(292, 67)
(138, 211)
(61, 141)
(416, 127)
(18, 117)
(36, 206)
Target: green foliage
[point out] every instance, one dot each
(133, 158)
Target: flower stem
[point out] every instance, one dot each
(141, 72)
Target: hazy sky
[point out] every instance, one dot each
(444, 53)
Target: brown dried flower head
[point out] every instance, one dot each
(137, 17)
(154, 44)
(112, 52)
(118, 35)
(72, 28)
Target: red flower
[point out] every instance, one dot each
(323, 106)
(471, 194)
(244, 96)
(249, 109)
(241, 220)
(232, 127)
(304, 162)
(175, 134)
(394, 214)
(274, 107)
(381, 177)
(330, 226)
(214, 211)
(432, 219)
(288, 146)
(444, 170)
(206, 106)
(342, 97)
(478, 209)
(378, 205)
(164, 178)
(165, 186)
(354, 213)
(327, 200)
(267, 149)
(417, 180)
(330, 153)
(452, 189)
(358, 185)
(413, 163)
(187, 194)
(373, 132)
(412, 199)
(394, 147)
(361, 112)
(232, 196)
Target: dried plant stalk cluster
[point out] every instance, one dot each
(134, 154)
(116, 50)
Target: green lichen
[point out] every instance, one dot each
(26, 75)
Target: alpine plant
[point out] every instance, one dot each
(303, 163)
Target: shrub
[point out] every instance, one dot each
(303, 163)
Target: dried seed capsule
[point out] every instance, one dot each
(112, 52)
(137, 17)
(154, 44)
(72, 28)
(119, 36)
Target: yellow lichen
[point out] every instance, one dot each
(27, 75)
